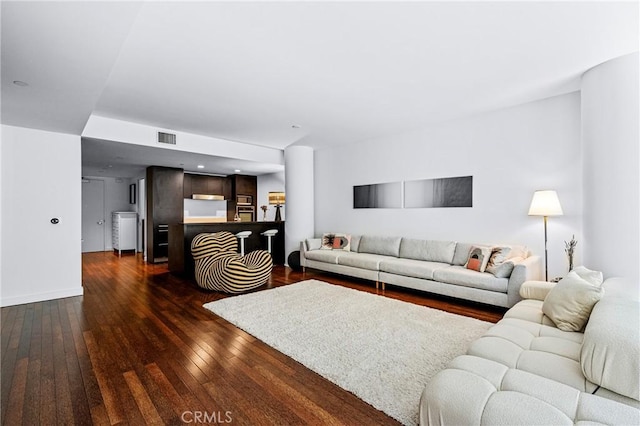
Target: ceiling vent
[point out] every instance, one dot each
(168, 138)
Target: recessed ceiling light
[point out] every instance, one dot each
(295, 126)
(237, 170)
(200, 166)
(20, 83)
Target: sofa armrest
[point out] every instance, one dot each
(303, 251)
(308, 245)
(530, 269)
(536, 290)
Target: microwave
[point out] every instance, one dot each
(244, 200)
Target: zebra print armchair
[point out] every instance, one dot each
(220, 267)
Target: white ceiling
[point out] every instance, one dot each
(345, 72)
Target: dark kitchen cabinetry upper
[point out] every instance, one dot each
(245, 187)
(165, 205)
(209, 185)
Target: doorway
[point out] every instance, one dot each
(93, 221)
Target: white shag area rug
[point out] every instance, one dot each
(382, 350)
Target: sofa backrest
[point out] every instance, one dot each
(610, 355)
(429, 250)
(462, 253)
(388, 246)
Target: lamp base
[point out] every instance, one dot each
(278, 216)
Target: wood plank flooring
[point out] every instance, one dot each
(139, 348)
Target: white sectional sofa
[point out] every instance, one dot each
(429, 265)
(525, 370)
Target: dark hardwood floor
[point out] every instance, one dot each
(139, 348)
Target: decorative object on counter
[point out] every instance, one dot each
(545, 203)
(264, 212)
(569, 248)
(237, 218)
(277, 199)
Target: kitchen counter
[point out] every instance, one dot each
(181, 235)
(205, 219)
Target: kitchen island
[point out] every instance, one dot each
(181, 235)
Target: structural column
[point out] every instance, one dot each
(298, 171)
(610, 133)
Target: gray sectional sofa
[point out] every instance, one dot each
(429, 265)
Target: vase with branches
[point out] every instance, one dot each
(569, 248)
(264, 212)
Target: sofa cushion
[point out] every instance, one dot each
(461, 253)
(411, 268)
(610, 354)
(491, 395)
(468, 278)
(570, 302)
(362, 260)
(314, 243)
(386, 246)
(432, 251)
(355, 243)
(538, 349)
(327, 256)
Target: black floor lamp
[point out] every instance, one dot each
(545, 203)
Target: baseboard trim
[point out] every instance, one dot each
(41, 297)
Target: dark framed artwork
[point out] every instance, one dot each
(415, 194)
(378, 196)
(132, 193)
(444, 192)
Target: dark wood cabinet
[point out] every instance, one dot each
(165, 206)
(187, 190)
(209, 185)
(242, 186)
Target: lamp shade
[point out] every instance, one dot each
(276, 198)
(545, 203)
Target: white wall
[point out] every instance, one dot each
(510, 153)
(611, 156)
(41, 174)
(272, 182)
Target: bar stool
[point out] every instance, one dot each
(269, 233)
(242, 235)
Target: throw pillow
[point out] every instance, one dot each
(478, 258)
(505, 269)
(569, 303)
(333, 241)
(594, 277)
(327, 241)
(342, 242)
(499, 256)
